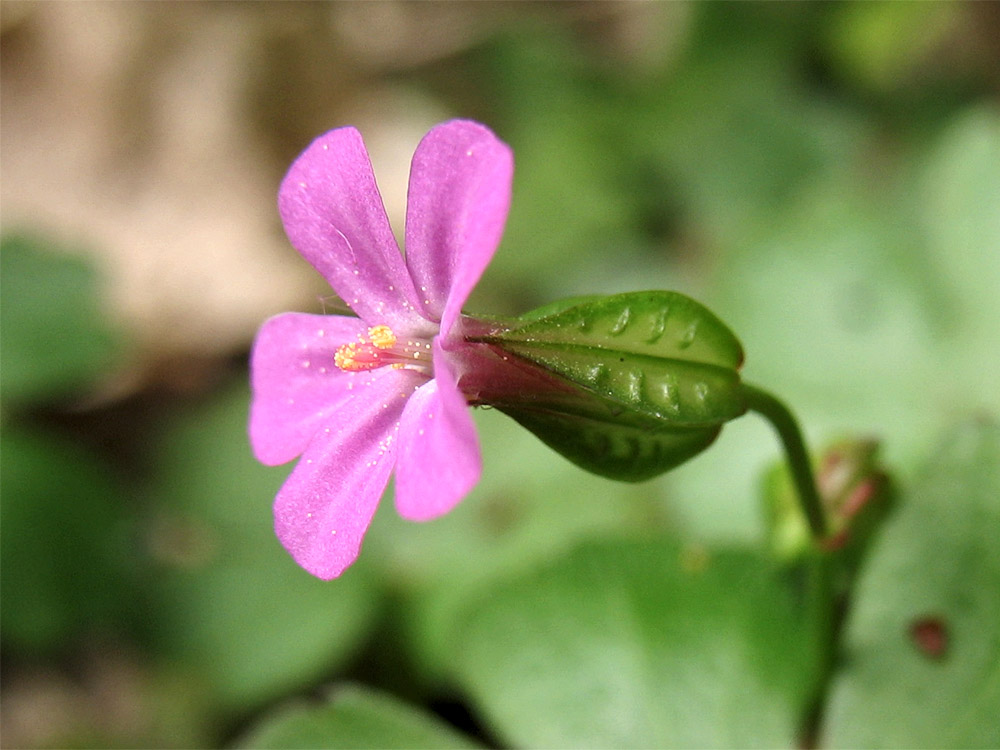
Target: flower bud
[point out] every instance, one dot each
(855, 493)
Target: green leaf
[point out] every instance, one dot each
(641, 645)
(960, 192)
(877, 45)
(354, 717)
(922, 648)
(529, 507)
(651, 378)
(64, 542)
(52, 335)
(235, 608)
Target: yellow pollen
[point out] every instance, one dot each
(380, 348)
(382, 336)
(346, 358)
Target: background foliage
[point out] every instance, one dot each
(825, 177)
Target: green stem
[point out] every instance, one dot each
(822, 602)
(788, 430)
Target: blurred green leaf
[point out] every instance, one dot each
(234, 606)
(869, 307)
(530, 506)
(878, 45)
(641, 645)
(958, 209)
(570, 199)
(64, 551)
(837, 308)
(922, 649)
(354, 717)
(53, 337)
(732, 127)
(874, 310)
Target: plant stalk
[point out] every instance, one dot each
(784, 423)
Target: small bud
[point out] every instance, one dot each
(855, 494)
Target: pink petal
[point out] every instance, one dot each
(457, 205)
(324, 508)
(439, 460)
(333, 215)
(296, 385)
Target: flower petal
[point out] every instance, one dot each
(324, 508)
(296, 385)
(439, 459)
(457, 204)
(333, 215)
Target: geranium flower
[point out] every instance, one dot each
(359, 397)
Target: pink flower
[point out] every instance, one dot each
(357, 397)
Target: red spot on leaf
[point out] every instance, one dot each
(930, 636)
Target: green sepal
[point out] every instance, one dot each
(626, 452)
(648, 379)
(560, 305)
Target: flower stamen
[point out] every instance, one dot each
(357, 356)
(382, 336)
(382, 349)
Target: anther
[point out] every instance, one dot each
(355, 357)
(382, 336)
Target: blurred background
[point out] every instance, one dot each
(825, 177)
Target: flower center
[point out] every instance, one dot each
(381, 348)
